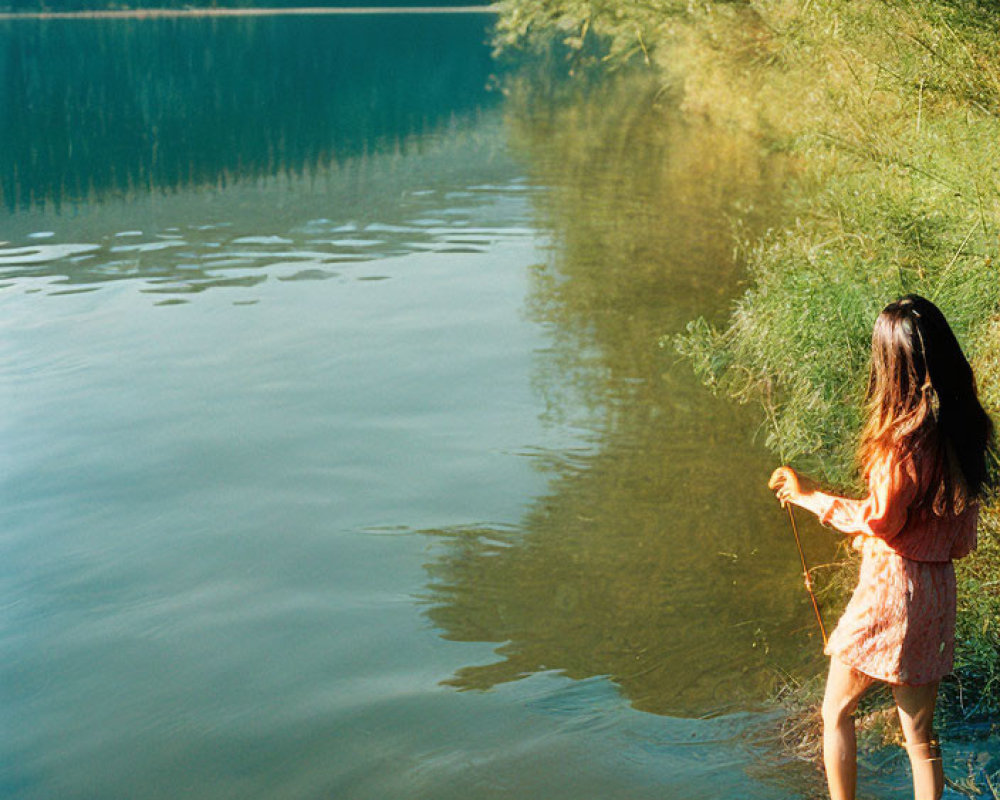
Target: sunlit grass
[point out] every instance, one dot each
(899, 191)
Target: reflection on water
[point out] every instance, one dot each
(189, 257)
(95, 110)
(196, 154)
(657, 557)
(259, 328)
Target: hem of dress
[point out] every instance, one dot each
(870, 674)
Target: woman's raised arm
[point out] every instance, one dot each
(892, 487)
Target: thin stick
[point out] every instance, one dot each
(920, 105)
(954, 258)
(807, 577)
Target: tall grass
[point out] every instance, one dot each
(899, 191)
(893, 112)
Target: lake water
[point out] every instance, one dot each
(340, 458)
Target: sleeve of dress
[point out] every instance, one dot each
(883, 513)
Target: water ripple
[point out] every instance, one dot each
(42, 253)
(188, 259)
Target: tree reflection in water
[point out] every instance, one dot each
(658, 557)
(119, 108)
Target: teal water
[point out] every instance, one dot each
(339, 457)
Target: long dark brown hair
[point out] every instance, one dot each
(922, 404)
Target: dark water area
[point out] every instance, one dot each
(162, 105)
(340, 457)
(25, 6)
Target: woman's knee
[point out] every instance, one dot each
(915, 705)
(837, 708)
(917, 733)
(844, 688)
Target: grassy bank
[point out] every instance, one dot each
(890, 113)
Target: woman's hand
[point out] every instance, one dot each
(785, 484)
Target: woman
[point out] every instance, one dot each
(924, 454)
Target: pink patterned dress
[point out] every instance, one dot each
(899, 625)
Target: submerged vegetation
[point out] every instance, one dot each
(890, 114)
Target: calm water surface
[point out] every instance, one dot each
(339, 456)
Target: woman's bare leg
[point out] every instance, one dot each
(916, 715)
(844, 688)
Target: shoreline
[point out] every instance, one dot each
(167, 13)
(891, 114)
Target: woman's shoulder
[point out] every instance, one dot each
(894, 466)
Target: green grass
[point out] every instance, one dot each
(899, 191)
